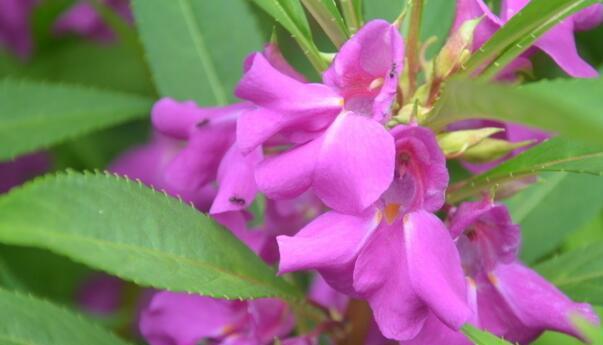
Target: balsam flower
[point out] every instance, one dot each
(212, 152)
(507, 298)
(21, 169)
(558, 42)
(100, 294)
(395, 254)
(83, 19)
(148, 163)
(341, 151)
(183, 319)
(15, 30)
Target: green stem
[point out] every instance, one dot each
(327, 15)
(351, 13)
(413, 42)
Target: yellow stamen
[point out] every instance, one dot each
(391, 212)
(378, 216)
(492, 278)
(375, 84)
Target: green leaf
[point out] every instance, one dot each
(558, 154)
(480, 337)
(352, 11)
(35, 115)
(25, 320)
(196, 48)
(438, 16)
(384, 9)
(135, 233)
(43, 273)
(114, 67)
(579, 273)
(590, 232)
(553, 209)
(520, 32)
(571, 107)
(290, 14)
(330, 20)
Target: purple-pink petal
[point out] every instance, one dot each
(355, 163)
(305, 107)
(181, 319)
(15, 29)
(486, 235)
(365, 70)
(434, 268)
(312, 247)
(236, 181)
(381, 276)
(421, 176)
(288, 174)
(537, 303)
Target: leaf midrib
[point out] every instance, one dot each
(481, 182)
(202, 52)
(134, 248)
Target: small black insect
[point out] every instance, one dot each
(202, 123)
(236, 200)
(392, 71)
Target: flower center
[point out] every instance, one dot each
(376, 83)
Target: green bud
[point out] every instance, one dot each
(492, 149)
(456, 51)
(454, 144)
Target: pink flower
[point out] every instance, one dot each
(100, 294)
(212, 151)
(339, 147)
(558, 42)
(15, 30)
(507, 298)
(182, 319)
(148, 163)
(84, 20)
(21, 169)
(395, 254)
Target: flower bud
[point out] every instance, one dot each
(492, 149)
(455, 144)
(457, 49)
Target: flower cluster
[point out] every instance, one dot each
(353, 190)
(330, 146)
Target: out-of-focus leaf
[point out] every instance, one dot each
(35, 115)
(438, 16)
(480, 337)
(572, 107)
(521, 31)
(553, 209)
(28, 320)
(97, 150)
(137, 234)
(196, 48)
(558, 154)
(352, 12)
(329, 18)
(112, 66)
(384, 9)
(589, 233)
(43, 273)
(579, 273)
(290, 14)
